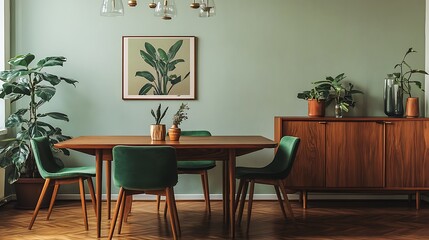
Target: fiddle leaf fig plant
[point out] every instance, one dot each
(34, 87)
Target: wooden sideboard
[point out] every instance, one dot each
(358, 154)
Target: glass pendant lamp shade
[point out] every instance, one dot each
(207, 8)
(166, 9)
(112, 8)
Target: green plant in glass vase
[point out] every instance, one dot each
(338, 92)
(33, 86)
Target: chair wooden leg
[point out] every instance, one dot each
(243, 200)
(286, 199)
(165, 209)
(115, 215)
(108, 188)
(92, 193)
(123, 210)
(39, 202)
(249, 204)
(127, 208)
(158, 202)
(170, 202)
(53, 197)
(205, 182)
(237, 198)
(279, 198)
(82, 199)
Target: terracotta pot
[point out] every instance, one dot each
(316, 108)
(174, 133)
(157, 132)
(28, 191)
(412, 108)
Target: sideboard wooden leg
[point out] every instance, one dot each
(304, 199)
(417, 200)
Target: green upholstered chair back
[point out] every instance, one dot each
(45, 161)
(285, 156)
(196, 133)
(144, 167)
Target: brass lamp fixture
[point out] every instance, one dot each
(166, 9)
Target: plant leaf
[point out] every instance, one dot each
(174, 49)
(146, 75)
(51, 61)
(45, 92)
(55, 115)
(22, 60)
(162, 55)
(145, 89)
(150, 49)
(148, 58)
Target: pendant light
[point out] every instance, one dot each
(207, 8)
(166, 9)
(112, 8)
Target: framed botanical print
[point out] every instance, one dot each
(157, 67)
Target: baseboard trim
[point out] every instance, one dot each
(314, 196)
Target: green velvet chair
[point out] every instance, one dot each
(197, 167)
(145, 169)
(54, 172)
(272, 174)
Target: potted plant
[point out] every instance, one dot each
(34, 87)
(342, 95)
(174, 131)
(403, 78)
(157, 130)
(316, 101)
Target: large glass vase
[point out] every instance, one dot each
(393, 97)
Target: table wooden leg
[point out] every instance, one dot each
(108, 186)
(98, 186)
(225, 190)
(231, 175)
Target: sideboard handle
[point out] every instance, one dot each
(387, 122)
(322, 122)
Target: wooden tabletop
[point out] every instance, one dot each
(108, 142)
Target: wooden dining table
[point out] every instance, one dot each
(219, 148)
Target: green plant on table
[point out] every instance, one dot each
(34, 87)
(157, 115)
(180, 114)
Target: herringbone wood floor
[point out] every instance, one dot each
(322, 220)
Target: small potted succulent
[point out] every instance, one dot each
(174, 131)
(316, 98)
(157, 130)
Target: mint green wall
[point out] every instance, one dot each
(253, 58)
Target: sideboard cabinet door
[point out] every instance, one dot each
(308, 168)
(407, 154)
(354, 155)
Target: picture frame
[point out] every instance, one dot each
(158, 67)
